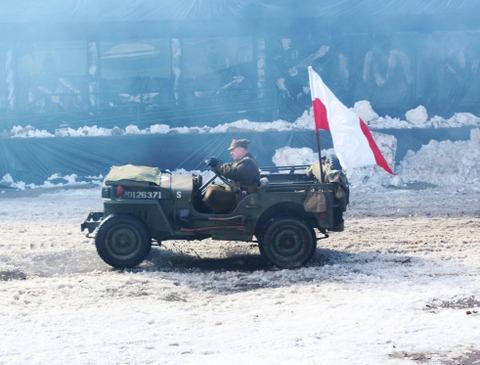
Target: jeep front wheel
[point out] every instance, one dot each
(287, 242)
(123, 240)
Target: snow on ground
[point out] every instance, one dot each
(399, 286)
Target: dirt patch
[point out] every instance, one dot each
(471, 357)
(419, 358)
(12, 275)
(413, 186)
(468, 303)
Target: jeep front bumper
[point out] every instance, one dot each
(91, 221)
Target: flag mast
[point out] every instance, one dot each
(317, 130)
(319, 156)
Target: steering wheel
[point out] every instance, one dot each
(211, 180)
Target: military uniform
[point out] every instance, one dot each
(244, 177)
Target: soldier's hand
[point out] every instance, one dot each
(212, 162)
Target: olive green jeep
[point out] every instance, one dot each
(144, 204)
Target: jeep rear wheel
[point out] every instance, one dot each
(123, 241)
(287, 242)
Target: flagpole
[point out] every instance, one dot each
(316, 129)
(319, 156)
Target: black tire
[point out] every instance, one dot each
(334, 162)
(123, 240)
(287, 242)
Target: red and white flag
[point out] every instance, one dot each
(352, 140)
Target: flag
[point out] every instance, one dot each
(352, 140)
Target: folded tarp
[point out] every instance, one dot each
(133, 175)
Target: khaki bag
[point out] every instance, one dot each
(315, 202)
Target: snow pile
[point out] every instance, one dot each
(29, 132)
(444, 162)
(54, 181)
(7, 180)
(439, 163)
(418, 116)
(288, 156)
(85, 131)
(364, 110)
(415, 118)
(246, 125)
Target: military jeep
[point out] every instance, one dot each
(144, 204)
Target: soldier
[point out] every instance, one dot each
(243, 174)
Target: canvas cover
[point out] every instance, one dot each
(133, 175)
(332, 176)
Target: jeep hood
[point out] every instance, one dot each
(133, 175)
